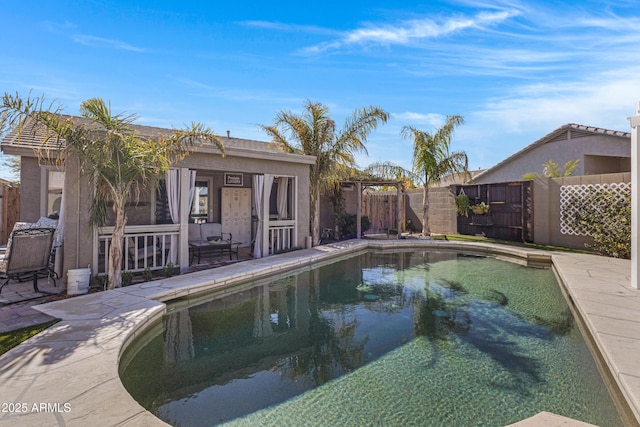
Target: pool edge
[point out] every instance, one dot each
(126, 312)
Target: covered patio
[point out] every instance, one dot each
(261, 220)
(251, 192)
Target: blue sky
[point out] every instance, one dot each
(515, 70)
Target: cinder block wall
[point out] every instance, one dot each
(442, 209)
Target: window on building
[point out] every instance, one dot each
(163, 216)
(55, 182)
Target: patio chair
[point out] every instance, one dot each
(27, 256)
(208, 237)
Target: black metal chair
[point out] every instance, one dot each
(27, 256)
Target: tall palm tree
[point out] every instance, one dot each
(432, 161)
(314, 133)
(117, 161)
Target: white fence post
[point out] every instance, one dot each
(635, 196)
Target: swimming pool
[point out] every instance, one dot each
(420, 337)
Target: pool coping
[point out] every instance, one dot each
(68, 374)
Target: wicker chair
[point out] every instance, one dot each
(27, 256)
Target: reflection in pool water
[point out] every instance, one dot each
(422, 338)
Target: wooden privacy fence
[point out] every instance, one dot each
(382, 208)
(510, 215)
(9, 211)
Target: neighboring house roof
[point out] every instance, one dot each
(568, 131)
(27, 141)
(458, 178)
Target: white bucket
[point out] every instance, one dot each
(78, 281)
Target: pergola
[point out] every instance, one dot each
(362, 184)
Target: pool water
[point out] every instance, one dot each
(410, 338)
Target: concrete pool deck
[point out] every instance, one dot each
(68, 374)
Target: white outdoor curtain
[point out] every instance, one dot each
(172, 183)
(192, 187)
(260, 182)
(258, 190)
(59, 236)
(283, 191)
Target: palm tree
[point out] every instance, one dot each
(550, 169)
(118, 162)
(432, 161)
(314, 133)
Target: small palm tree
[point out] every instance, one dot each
(432, 161)
(550, 169)
(116, 160)
(314, 133)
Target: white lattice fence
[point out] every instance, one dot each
(572, 195)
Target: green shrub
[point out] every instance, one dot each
(169, 270)
(462, 205)
(127, 278)
(347, 225)
(98, 283)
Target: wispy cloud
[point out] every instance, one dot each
(419, 119)
(411, 31)
(281, 26)
(70, 30)
(603, 100)
(102, 42)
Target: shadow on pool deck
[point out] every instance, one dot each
(96, 327)
(17, 299)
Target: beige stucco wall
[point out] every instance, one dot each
(327, 216)
(79, 239)
(78, 234)
(546, 202)
(30, 183)
(583, 148)
(31, 209)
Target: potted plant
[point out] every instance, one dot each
(480, 209)
(462, 204)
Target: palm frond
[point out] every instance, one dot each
(390, 171)
(314, 133)
(570, 166)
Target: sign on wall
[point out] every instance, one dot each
(233, 179)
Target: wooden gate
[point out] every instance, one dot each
(510, 215)
(382, 210)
